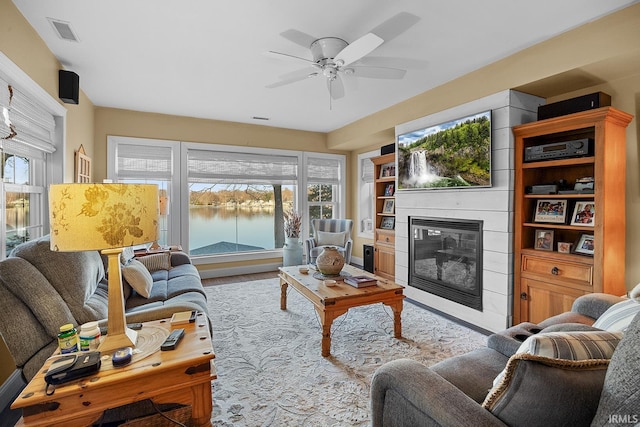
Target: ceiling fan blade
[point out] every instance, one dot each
(392, 62)
(396, 25)
(379, 72)
(298, 37)
(288, 56)
(336, 88)
(356, 50)
(292, 77)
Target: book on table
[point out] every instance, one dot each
(361, 281)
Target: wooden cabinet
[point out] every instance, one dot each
(546, 282)
(384, 258)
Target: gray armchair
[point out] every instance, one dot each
(535, 390)
(329, 232)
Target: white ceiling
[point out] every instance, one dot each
(207, 59)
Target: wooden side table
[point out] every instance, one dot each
(180, 376)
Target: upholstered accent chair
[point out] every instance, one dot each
(329, 232)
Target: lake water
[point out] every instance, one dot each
(210, 225)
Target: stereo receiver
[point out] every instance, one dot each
(559, 150)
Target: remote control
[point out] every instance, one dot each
(172, 340)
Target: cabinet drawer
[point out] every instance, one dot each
(558, 270)
(385, 237)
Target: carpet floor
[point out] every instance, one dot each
(271, 373)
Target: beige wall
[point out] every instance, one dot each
(20, 42)
(597, 56)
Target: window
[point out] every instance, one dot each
(236, 199)
(231, 198)
(325, 177)
(28, 137)
(140, 161)
(366, 198)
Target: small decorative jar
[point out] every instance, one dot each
(330, 261)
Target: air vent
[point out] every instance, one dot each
(63, 30)
(260, 118)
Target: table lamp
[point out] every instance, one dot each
(105, 217)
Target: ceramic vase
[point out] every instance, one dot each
(330, 261)
(292, 251)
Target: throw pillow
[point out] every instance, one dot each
(542, 391)
(137, 275)
(574, 345)
(326, 238)
(127, 255)
(618, 316)
(156, 262)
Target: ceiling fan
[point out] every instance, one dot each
(334, 59)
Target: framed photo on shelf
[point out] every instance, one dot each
(551, 210)
(584, 245)
(544, 240)
(564, 247)
(389, 204)
(388, 170)
(387, 223)
(389, 189)
(584, 214)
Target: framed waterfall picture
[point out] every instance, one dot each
(454, 154)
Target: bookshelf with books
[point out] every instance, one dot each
(384, 259)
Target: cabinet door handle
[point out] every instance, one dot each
(523, 295)
(555, 271)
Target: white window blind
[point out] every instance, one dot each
(226, 167)
(367, 171)
(323, 171)
(137, 161)
(23, 122)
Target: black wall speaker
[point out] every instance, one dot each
(367, 251)
(68, 86)
(391, 148)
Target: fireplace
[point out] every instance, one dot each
(445, 258)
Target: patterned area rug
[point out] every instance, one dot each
(271, 373)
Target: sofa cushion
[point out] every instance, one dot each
(618, 316)
(155, 262)
(326, 238)
(138, 277)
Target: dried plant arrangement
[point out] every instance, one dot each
(292, 223)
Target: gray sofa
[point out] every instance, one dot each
(41, 290)
(532, 390)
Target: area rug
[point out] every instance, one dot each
(271, 373)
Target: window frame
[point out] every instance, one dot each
(54, 163)
(361, 216)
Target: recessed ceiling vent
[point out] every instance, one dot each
(63, 30)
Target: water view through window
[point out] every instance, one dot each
(236, 218)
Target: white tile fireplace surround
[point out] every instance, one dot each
(492, 205)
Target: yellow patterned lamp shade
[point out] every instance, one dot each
(105, 217)
(102, 216)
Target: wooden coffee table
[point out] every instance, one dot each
(181, 376)
(334, 301)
